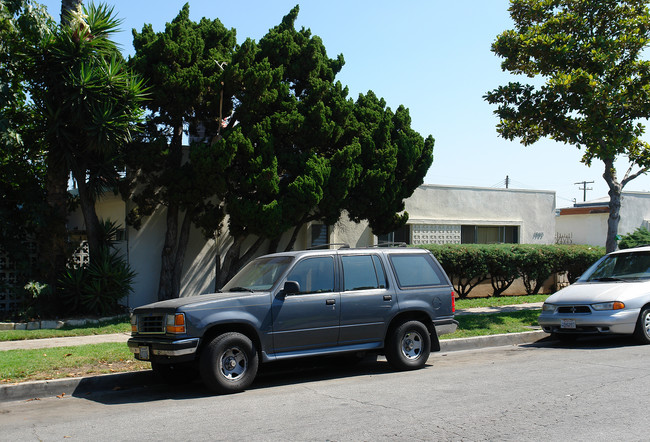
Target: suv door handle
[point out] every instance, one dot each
(388, 297)
(330, 302)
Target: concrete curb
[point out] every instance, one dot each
(83, 386)
(75, 386)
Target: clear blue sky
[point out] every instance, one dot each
(432, 56)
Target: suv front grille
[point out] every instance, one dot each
(151, 324)
(573, 309)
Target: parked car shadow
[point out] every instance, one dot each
(586, 342)
(149, 388)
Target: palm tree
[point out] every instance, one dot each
(90, 103)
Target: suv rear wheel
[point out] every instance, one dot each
(229, 363)
(409, 346)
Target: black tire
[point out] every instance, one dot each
(408, 347)
(642, 330)
(175, 374)
(229, 363)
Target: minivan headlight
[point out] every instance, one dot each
(616, 305)
(548, 307)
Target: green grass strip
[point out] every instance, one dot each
(497, 301)
(114, 326)
(61, 362)
(494, 324)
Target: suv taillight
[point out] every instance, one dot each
(453, 301)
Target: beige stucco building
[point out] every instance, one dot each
(438, 214)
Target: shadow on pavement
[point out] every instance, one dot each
(586, 342)
(148, 388)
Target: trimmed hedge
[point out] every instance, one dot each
(470, 264)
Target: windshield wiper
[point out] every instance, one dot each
(241, 289)
(607, 279)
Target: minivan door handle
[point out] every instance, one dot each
(330, 302)
(388, 297)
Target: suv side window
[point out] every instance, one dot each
(415, 270)
(315, 275)
(362, 272)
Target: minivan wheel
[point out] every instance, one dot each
(229, 363)
(642, 330)
(409, 346)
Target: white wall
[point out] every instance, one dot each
(532, 210)
(592, 228)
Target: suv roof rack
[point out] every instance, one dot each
(342, 245)
(390, 244)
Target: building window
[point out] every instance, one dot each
(490, 234)
(401, 235)
(319, 235)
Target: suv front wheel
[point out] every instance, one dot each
(409, 346)
(229, 363)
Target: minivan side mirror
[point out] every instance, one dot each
(291, 288)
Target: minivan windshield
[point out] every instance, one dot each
(628, 266)
(258, 275)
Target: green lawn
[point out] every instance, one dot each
(498, 301)
(114, 326)
(61, 362)
(494, 324)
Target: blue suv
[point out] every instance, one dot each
(391, 301)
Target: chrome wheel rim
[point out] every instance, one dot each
(233, 364)
(412, 345)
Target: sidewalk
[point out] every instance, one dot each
(72, 386)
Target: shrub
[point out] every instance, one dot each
(639, 237)
(96, 289)
(467, 265)
(464, 264)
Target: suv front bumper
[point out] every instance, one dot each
(163, 350)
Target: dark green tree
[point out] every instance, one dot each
(183, 66)
(594, 90)
(293, 147)
(305, 151)
(23, 211)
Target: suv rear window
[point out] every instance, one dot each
(415, 270)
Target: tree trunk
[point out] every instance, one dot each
(181, 248)
(615, 190)
(166, 284)
(68, 6)
(87, 203)
(52, 236)
(170, 247)
(233, 262)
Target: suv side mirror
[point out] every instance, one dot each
(291, 288)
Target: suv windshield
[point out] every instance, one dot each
(620, 266)
(258, 275)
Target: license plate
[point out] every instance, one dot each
(144, 353)
(568, 323)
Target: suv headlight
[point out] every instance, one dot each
(548, 307)
(134, 323)
(176, 323)
(616, 305)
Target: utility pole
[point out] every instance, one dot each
(584, 188)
